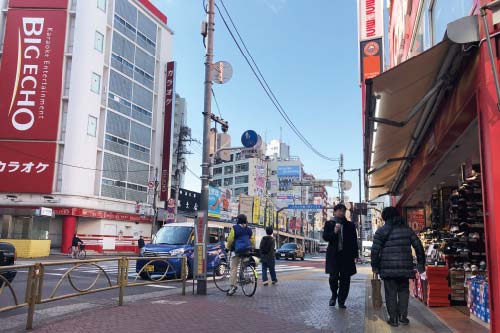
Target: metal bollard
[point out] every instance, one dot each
(184, 275)
(31, 294)
(122, 276)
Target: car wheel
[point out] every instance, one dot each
(145, 276)
(303, 258)
(294, 257)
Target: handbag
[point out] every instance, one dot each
(376, 292)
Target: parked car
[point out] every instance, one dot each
(7, 258)
(177, 240)
(323, 247)
(291, 251)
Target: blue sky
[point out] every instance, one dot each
(308, 52)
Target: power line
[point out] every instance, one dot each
(68, 165)
(262, 81)
(217, 103)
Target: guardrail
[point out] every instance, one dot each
(35, 293)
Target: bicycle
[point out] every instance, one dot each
(80, 253)
(247, 276)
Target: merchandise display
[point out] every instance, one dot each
(456, 272)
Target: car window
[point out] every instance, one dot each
(216, 235)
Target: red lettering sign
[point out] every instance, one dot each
(31, 71)
(27, 167)
(55, 4)
(167, 130)
(83, 212)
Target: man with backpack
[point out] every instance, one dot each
(268, 253)
(241, 241)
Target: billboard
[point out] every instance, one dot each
(167, 130)
(416, 218)
(256, 211)
(371, 58)
(246, 206)
(214, 202)
(30, 94)
(286, 176)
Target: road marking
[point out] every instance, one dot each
(160, 286)
(164, 301)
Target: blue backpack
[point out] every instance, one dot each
(242, 237)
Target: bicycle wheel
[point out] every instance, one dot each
(249, 281)
(70, 252)
(222, 277)
(82, 254)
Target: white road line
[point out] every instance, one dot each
(160, 286)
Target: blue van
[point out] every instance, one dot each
(177, 239)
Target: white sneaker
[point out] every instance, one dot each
(232, 291)
(265, 283)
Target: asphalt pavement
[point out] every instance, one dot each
(84, 276)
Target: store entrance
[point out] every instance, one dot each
(451, 199)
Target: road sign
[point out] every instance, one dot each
(305, 207)
(249, 139)
(151, 184)
(222, 72)
(347, 185)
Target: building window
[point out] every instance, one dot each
(101, 4)
(243, 167)
(95, 84)
(442, 14)
(217, 171)
(228, 181)
(228, 170)
(99, 41)
(240, 190)
(92, 126)
(241, 180)
(217, 182)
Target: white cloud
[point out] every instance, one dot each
(275, 5)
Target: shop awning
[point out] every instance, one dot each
(398, 105)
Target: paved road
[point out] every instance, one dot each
(84, 276)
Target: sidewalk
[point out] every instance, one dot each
(299, 303)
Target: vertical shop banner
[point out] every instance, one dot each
(371, 58)
(30, 94)
(370, 19)
(260, 179)
(416, 218)
(246, 206)
(256, 210)
(167, 129)
(31, 72)
(214, 202)
(371, 38)
(22, 170)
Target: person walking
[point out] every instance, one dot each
(392, 259)
(341, 254)
(268, 256)
(141, 244)
(241, 240)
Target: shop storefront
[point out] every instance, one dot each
(432, 137)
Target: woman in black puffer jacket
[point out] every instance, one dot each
(392, 259)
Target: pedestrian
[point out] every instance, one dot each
(75, 243)
(341, 254)
(268, 256)
(392, 259)
(141, 244)
(241, 241)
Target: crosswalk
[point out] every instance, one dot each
(112, 269)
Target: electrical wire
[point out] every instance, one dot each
(263, 82)
(216, 103)
(43, 159)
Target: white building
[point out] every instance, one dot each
(110, 133)
(180, 134)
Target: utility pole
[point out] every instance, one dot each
(155, 209)
(207, 113)
(341, 177)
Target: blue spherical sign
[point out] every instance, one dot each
(249, 139)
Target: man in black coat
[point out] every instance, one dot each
(392, 259)
(341, 254)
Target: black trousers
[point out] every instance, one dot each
(339, 285)
(397, 296)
